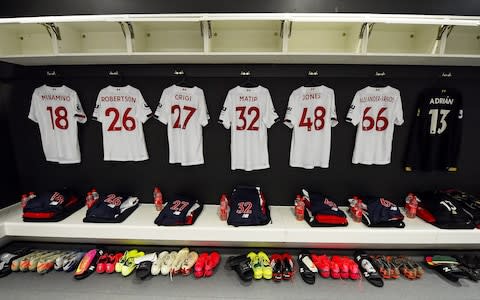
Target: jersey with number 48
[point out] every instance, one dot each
(311, 113)
(57, 111)
(248, 112)
(184, 111)
(122, 110)
(436, 134)
(375, 111)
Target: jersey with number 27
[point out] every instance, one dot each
(122, 111)
(57, 111)
(248, 112)
(311, 113)
(184, 111)
(375, 111)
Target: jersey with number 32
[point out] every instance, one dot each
(311, 113)
(184, 111)
(122, 111)
(375, 111)
(57, 111)
(248, 112)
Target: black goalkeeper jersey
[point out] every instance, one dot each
(436, 134)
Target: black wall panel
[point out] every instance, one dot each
(280, 182)
(75, 7)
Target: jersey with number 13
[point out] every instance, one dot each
(375, 111)
(122, 110)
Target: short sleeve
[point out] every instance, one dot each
(161, 113)
(226, 114)
(353, 115)
(32, 115)
(143, 110)
(202, 109)
(97, 112)
(270, 116)
(398, 117)
(333, 110)
(79, 115)
(291, 116)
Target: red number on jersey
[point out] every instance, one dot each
(319, 115)
(191, 111)
(250, 111)
(116, 115)
(61, 121)
(179, 205)
(372, 123)
(244, 208)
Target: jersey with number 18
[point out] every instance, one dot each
(122, 111)
(57, 111)
(375, 111)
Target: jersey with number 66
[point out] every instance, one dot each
(437, 131)
(311, 113)
(122, 110)
(57, 111)
(248, 112)
(184, 111)
(375, 111)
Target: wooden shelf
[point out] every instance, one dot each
(284, 231)
(242, 38)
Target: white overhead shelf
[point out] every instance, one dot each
(284, 231)
(242, 38)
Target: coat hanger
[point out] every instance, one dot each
(53, 79)
(312, 79)
(116, 79)
(380, 80)
(183, 79)
(248, 83)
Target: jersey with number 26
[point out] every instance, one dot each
(122, 110)
(311, 113)
(248, 112)
(57, 111)
(375, 111)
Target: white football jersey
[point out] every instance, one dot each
(57, 111)
(248, 112)
(311, 114)
(122, 112)
(375, 111)
(185, 112)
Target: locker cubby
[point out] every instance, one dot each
(402, 38)
(91, 37)
(24, 39)
(324, 37)
(168, 37)
(463, 40)
(246, 36)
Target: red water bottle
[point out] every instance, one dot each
(223, 211)
(24, 200)
(89, 201)
(411, 204)
(158, 198)
(356, 209)
(299, 209)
